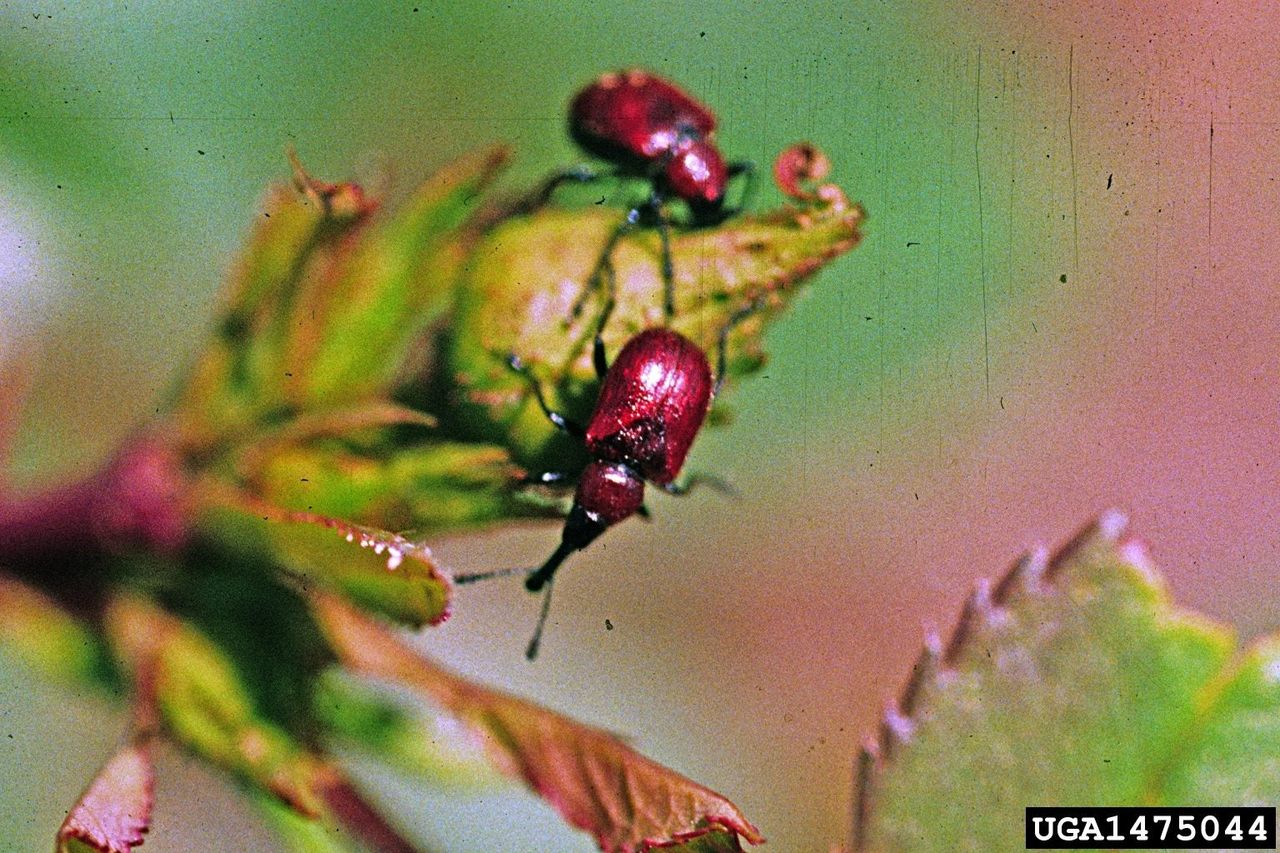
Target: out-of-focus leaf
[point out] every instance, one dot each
(1233, 755)
(204, 705)
(300, 834)
(713, 842)
(46, 636)
(349, 823)
(241, 375)
(402, 735)
(519, 288)
(115, 812)
(372, 418)
(1073, 682)
(596, 782)
(383, 480)
(382, 571)
(347, 807)
(356, 324)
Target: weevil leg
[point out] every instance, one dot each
(532, 651)
(603, 271)
(693, 481)
(472, 577)
(715, 216)
(722, 343)
(572, 427)
(650, 213)
(580, 174)
(598, 358)
(610, 302)
(750, 184)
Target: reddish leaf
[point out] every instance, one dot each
(388, 573)
(115, 812)
(599, 784)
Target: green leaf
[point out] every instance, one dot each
(46, 636)
(1073, 682)
(519, 288)
(597, 783)
(205, 706)
(348, 817)
(381, 570)
(400, 734)
(384, 478)
(242, 374)
(357, 322)
(298, 833)
(1233, 755)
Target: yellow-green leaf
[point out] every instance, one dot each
(381, 570)
(521, 284)
(359, 320)
(45, 635)
(204, 705)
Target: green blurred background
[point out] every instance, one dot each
(1066, 301)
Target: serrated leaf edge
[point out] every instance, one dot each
(1032, 575)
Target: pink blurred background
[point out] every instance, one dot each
(930, 412)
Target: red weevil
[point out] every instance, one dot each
(652, 402)
(648, 127)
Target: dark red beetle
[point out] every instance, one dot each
(652, 402)
(648, 127)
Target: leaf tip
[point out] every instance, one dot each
(1136, 553)
(895, 728)
(923, 672)
(344, 200)
(978, 611)
(1112, 524)
(114, 813)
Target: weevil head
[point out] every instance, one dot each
(697, 174)
(608, 493)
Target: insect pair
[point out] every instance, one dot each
(655, 396)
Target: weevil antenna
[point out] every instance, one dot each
(722, 344)
(472, 577)
(532, 651)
